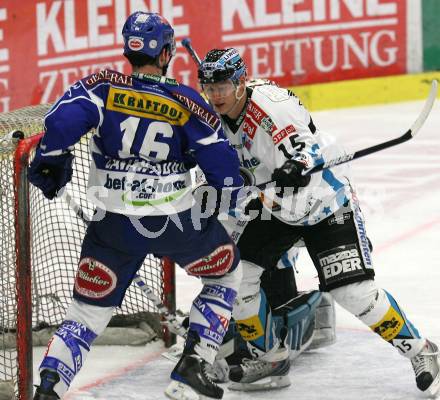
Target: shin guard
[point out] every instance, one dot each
(66, 353)
(209, 320)
(394, 327)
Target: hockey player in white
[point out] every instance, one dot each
(275, 138)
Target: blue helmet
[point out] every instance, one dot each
(221, 64)
(147, 33)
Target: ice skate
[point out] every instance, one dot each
(219, 371)
(45, 390)
(426, 366)
(259, 375)
(189, 381)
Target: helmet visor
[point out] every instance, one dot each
(219, 89)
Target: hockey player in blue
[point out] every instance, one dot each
(275, 136)
(149, 132)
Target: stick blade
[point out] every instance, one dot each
(418, 123)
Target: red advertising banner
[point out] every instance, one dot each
(46, 45)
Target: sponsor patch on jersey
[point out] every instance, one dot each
(255, 112)
(141, 166)
(363, 239)
(108, 76)
(341, 263)
(94, 280)
(267, 125)
(250, 328)
(204, 114)
(250, 163)
(339, 219)
(149, 187)
(283, 133)
(390, 325)
(147, 105)
(249, 128)
(217, 263)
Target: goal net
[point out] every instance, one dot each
(40, 248)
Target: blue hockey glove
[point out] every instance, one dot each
(290, 175)
(50, 173)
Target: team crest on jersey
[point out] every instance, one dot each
(94, 280)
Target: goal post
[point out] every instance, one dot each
(23, 267)
(40, 249)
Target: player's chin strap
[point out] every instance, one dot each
(237, 99)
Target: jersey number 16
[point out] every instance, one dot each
(150, 147)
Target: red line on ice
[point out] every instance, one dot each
(115, 374)
(407, 235)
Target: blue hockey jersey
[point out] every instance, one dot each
(149, 131)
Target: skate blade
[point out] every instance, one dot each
(179, 391)
(296, 353)
(433, 391)
(268, 383)
(322, 339)
(174, 353)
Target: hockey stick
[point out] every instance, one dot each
(409, 134)
(170, 319)
(186, 42)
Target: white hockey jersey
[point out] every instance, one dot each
(276, 127)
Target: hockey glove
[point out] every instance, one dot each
(50, 173)
(248, 177)
(290, 175)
